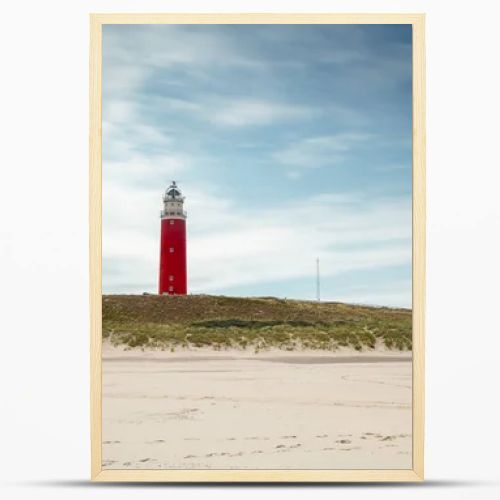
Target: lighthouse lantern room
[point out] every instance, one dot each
(173, 265)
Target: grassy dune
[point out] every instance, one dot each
(254, 323)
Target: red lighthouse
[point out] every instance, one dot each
(173, 269)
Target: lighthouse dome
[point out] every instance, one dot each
(173, 192)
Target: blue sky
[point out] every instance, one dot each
(290, 142)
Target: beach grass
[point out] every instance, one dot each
(219, 322)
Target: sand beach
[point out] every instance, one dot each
(234, 409)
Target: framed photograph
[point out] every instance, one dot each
(257, 247)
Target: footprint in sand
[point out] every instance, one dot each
(343, 441)
(388, 438)
(214, 454)
(322, 436)
(371, 435)
(281, 447)
(288, 437)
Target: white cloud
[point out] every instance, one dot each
(167, 46)
(238, 112)
(137, 170)
(122, 78)
(245, 112)
(267, 245)
(123, 140)
(319, 151)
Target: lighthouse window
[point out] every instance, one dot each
(171, 249)
(170, 278)
(171, 222)
(170, 288)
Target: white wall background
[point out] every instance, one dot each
(44, 362)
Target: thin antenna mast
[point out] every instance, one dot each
(318, 296)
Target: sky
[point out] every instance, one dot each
(289, 142)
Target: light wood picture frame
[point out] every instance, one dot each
(418, 274)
